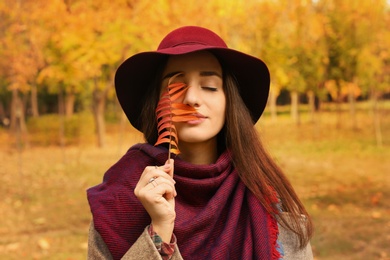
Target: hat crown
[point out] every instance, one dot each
(191, 35)
(251, 73)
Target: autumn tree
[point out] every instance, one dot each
(17, 67)
(303, 70)
(348, 32)
(94, 37)
(374, 62)
(73, 49)
(23, 43)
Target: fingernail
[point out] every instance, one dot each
(169, 161)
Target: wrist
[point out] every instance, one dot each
(164, 230)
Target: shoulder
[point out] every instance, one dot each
(97, 249)
(133, 161)
(290, 244)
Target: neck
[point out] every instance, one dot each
(199, 153)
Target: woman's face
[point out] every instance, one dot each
(202, 72)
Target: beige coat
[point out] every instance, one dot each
(144, 248)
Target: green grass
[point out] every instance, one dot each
(339, 172)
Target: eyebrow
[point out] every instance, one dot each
(171, 74)
(210, 73)
(202, 74)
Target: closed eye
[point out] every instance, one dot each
(210, 88)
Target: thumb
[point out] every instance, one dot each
(169, 166)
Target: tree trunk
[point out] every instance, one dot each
(312, 104)
(376, 118)
(338, 105)
(122, 131)
(18, 121)
(34, 101)
(98, 105)
(3, 117)
(61, 114)
(69, 104)
(352, 106)
(295, 107)
(272, 105)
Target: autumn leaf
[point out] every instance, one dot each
(168, 111)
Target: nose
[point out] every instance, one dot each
(191, 96)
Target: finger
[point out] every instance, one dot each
(162, 187)
(146, 175)
(159, 171)
(157, 175)
(151, 173)
(164, 182)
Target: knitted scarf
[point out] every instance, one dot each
(217, 217)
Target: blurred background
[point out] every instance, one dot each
(327, 121)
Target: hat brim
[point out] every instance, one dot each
(134, 75)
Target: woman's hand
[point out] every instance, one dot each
(156, 191)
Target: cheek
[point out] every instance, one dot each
(222, 106)
(221, 109)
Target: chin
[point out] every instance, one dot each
(193, 140)
(192, 137)
(197, 134)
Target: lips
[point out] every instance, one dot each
(199, 115)
(200, 119)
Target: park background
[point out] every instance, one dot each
(327, 121)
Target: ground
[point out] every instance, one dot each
(340, 173)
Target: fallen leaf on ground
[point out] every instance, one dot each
(44, 244)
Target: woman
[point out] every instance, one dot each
(222, 197)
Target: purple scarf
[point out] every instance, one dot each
(217, 217)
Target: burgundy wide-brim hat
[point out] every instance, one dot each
(135, 74)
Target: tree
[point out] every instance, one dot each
(348, 31)
(15, 50)
(374, 63)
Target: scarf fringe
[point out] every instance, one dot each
(274, 234)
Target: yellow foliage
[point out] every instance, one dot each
(72, 41)
(342, 89)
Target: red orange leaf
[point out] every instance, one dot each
(168, 111)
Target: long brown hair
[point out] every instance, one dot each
(255, 167)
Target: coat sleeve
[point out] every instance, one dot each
(143, 248)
